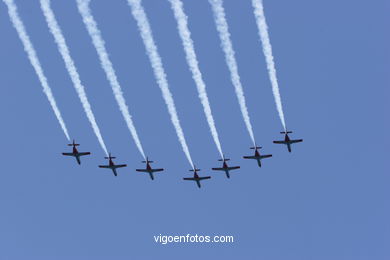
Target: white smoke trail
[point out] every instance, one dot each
(158, 69)
(227, 46)
(98, 42)
(29, 48)
(185, 35)
(71, 68)
(267, 50)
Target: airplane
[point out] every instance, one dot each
(196, 177)
(225, 167)
(111, 165)
(76, 153)
(287, 141)
(149, 168)
(257, 155)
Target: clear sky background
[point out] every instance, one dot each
(328, 199)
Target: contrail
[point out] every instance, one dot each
(267, 50)
(188, 45)
(227, 46)
(158, 69)
(98, 42)
(71, 68)
(29, 48)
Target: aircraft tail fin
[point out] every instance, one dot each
(147, 160)
(73, 143)
(109, 156)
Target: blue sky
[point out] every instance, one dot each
(326, 200)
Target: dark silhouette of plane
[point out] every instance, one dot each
(76, 153)
(225, 167)
(287, 141)
(196, 177)
(257, 155)
(111, 165)
(149, 169)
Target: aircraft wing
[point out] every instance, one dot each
(87, 153)
(296, 141)
(204, 178)
(120, 165)
(105, 166)
(234, 168)
(250, 157)
(189, 179)
(68, 154)
(152, 170)
(218, 169)
(265, 156)
(279, 142)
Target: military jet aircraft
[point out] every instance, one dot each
(111, 165)
(225, 167)
(149, 169)
(257, 155)
(287, 141)
(76, 153)
(196, 177)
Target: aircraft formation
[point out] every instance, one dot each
(196, 178)
(146, 35)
